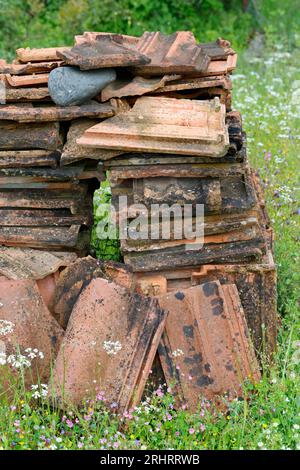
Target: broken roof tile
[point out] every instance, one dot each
(77, 276)
(72, 152)
(218, 50)
(205, 347)
(135, 86)
(24, 263)
(71, 282)
(174, 53)
(32, 325)
(93, 36)
(164, 125)
(105, 51)
(27, 80)
(39, 55)
(220, 67)
(27, 68)
(46, 287)
(195, 84)
(124, 329)
(256, 284)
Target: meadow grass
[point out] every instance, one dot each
(267, 93)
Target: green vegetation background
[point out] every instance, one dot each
(38, 23)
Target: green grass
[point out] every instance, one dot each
(269, 418)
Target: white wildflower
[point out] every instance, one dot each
(17, 361)
(296, 426)
(33, 353)
(6, 327)
(2, 359)
(43, 392)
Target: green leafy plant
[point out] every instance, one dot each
(108, 248)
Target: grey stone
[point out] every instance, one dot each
(70, 86)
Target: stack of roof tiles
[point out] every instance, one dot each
(167, 134)
(181, 143)
(42, 204)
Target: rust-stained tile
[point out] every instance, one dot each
(205, 346)
(195, 84)
(45, 217)
(28, 158)
(217, 228)
(32, 326)
(27, 68)
(121, 173)
(220, 67)
(89, 36)
(71, 282)
(181, 186)
(236, 154)
(256, 284)
(46, 238)
(135, 86)
(72, 152)
(218, 50)
(39, 55)
(250, 232)
(231, 62)
(74, 279)
(28, 113)
(23, 263)
(35, 177)
(106, 50)
(27, 80)
(15, 135)
(164, 125)
(217, 253)
(119, 273)
(109, 345)
(71, 197)
(15, 95)
(151, 285)
(174, 53)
